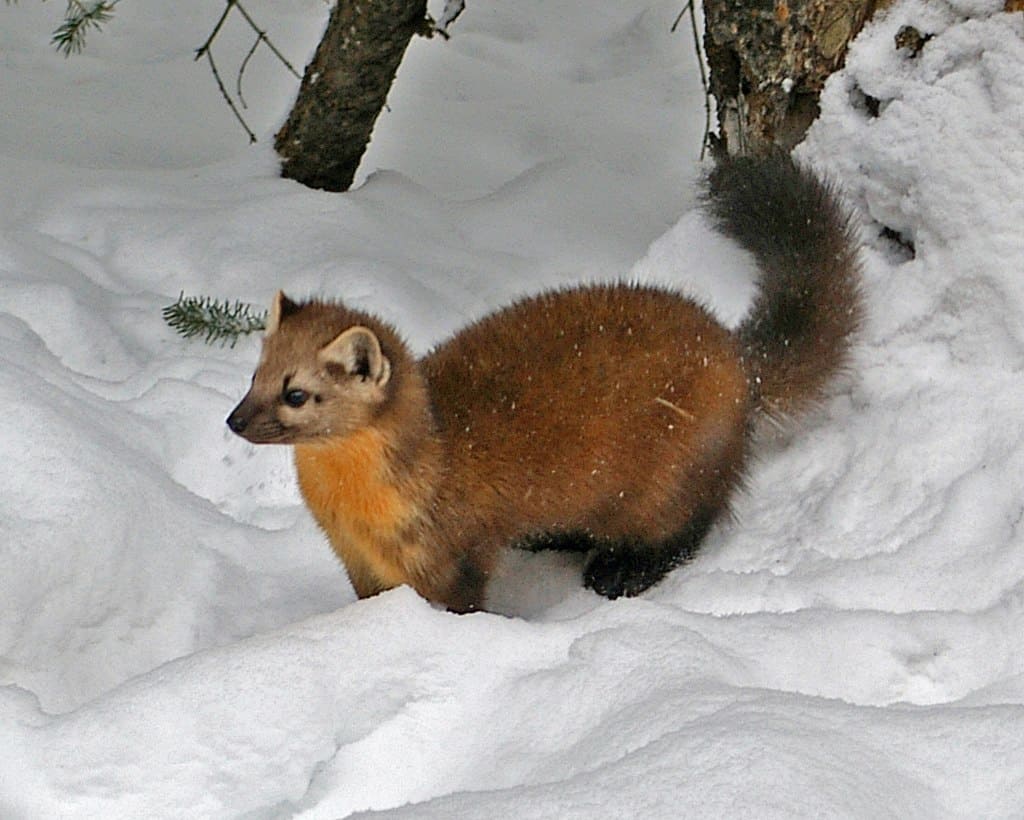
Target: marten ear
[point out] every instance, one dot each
(280, 308)
(357, 350)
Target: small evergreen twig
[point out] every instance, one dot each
(213, 319)
(69, 38)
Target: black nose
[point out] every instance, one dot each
(238, 421)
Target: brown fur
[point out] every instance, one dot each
(610, 418)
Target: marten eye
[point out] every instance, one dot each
(296, 398)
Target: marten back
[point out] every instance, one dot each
(617, 411)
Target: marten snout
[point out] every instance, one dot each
(252, 421)
(239, 419)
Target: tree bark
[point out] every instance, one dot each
(344, 89)
(769, 60)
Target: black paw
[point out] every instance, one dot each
(630, 567)
(622, 570)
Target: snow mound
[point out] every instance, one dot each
(176, 640)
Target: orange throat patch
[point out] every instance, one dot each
(348, 486)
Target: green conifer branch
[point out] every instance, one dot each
(69, 38)
(214, 320)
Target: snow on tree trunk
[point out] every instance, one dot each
(345, 88)
(769, 60)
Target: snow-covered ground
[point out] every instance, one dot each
(176, 639)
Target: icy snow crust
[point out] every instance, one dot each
(175, 637)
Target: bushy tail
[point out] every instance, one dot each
(808, 306)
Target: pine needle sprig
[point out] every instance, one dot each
(214, 320)
(79, 18)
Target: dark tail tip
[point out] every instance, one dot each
(800, 327)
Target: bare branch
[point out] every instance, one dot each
(205, 47)
(227, 97)
(689, 7)
(262, 36)
(451, 12)
(206, 50)
(241, 72)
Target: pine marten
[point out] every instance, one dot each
(609, 418)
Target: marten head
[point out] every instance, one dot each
(323, 372)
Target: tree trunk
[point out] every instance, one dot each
(344, 89)
(769, 60)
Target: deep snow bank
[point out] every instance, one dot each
(175, 639)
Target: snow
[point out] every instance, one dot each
(176, 639)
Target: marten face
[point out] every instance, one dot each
(311, 382)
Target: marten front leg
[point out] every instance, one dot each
(464, 586)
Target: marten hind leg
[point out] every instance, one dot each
(630, 567)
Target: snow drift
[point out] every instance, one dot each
(175, 637)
